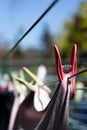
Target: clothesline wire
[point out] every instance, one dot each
(76, 74)
(29, 30)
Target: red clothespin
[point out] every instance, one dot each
(73, 70)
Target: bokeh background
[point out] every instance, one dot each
(64, 25)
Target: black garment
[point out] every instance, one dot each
(56, 116)
(6, 102)
(27, 117)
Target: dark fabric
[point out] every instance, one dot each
(27, 117)
(56, 116)
(6, 102)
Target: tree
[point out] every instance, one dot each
(47, 42)
(76, 32)
(18, 52)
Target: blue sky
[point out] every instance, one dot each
(16, 14)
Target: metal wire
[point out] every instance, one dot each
(85, 88)
(56, 82)
(50, 83)
(35, 23)
(76, 74)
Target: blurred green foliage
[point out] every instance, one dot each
(47, 42)
(75, 31)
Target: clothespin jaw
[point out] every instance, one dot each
(30, 84)
(36, 79)
(73, 66)
(26, 83)
(42, 92)
(18, 87)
